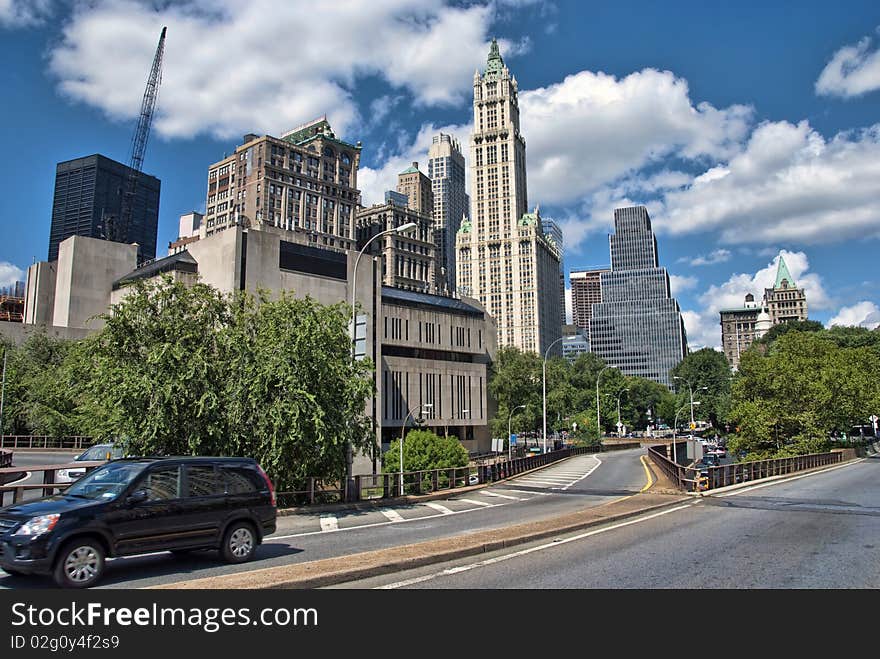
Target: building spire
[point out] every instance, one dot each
(494, 64)
(783, 273)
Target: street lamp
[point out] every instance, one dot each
(675, 422)
(619, 424)
(691, 390)
(598, 423)
(349, 457)
(402, 432)
(544, 390)
(509, 419)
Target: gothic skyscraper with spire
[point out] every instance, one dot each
(503, 257)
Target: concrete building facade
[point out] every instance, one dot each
(503, 257)
(586, 290)
(637, 327)
(88, 199)
(554, 232)
(305, 181)
(418, 189)
(446, 169)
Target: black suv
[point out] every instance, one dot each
(135, 506)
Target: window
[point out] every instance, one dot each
(239, 480)
(202, 481)
(163, 484)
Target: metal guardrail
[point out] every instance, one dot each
(72, 442)
(48, 485)
(691, 479)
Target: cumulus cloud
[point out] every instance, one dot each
(9, 274)
(863, 314)
(230, 70)
(790, 184)
(593, 128)
(24, 13)
(703, 325)
(715, 256)
(853, 70)
(677, 284)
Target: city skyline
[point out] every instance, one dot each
(727, 115)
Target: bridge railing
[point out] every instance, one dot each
(71, 442)
(16, 491)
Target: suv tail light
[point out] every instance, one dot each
(269, 483)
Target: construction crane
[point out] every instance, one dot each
(118, 229)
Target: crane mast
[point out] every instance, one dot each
(119, 231)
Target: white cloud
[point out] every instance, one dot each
(715, 256)
(593, 128)
(853, 70)
(24, 13)
(703, 325)
(677, 284)
(788, 184)
(9, 274)
(864, 313)
(228, 70)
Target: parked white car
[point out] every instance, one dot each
(93, 454)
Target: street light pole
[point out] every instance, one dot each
(619, 424)
(402, 433)
(349, 456)
(691, 391)
(544, 390)
(598, 423)
(509, 419)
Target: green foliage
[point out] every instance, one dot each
(704, 368)
(806, 386)
(784, 328)
(181, 370)
(422, 450)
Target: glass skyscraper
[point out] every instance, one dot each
(637, 327)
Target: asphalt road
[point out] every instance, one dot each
(811, 531)
(564, 487)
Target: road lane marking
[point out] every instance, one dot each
(525, 552)
(391, 514)
(650, 482)
(439, 508)
(594, 468)
(503, 496)
(478, 503)
(783, 480)
(371, 525)
(329, 523)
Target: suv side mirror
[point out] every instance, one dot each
(136, 497)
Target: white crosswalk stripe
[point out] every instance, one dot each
(503, 496)
(438, 507)
(391, 514)
(558, 478)
(329, 523)
(474, 502)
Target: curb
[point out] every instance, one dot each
(338, 570)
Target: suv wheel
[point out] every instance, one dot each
(80, 564)
(239, 543)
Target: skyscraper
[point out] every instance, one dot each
(586, 290)
(637, 327)
(554, 232)
(451, 204)
(88, 195)
(503, 257)
(785, 301)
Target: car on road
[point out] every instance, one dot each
(135, 506)
(93, 454)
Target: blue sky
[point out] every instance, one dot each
(749, 129)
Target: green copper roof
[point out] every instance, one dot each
(410, 170)
(494, 63)
(783, 273)
(529, 219)
(313, 130)
(465, 226)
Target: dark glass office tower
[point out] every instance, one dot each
(637, 327)
(88, 194)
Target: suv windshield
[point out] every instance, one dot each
(106, 482)
(100, 452)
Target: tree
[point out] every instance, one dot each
(185, 370)
(515, 379)
(704, 368)
(791, 326)
(423, 450)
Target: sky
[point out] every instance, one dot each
(750, 130)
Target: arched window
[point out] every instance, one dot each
(346, 159)
(328, 152)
